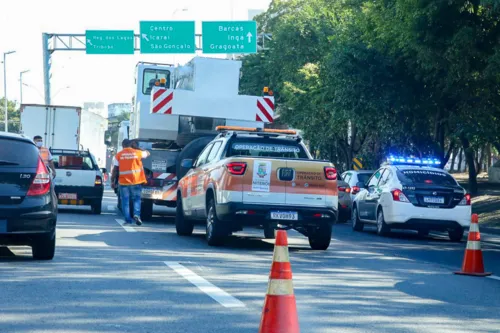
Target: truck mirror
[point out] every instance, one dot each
(187, 164)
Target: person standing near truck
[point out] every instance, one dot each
(128, 168)
(45, 154)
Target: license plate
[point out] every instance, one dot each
(291, 216)
(69, 196)
(151, 192)
(434, 200)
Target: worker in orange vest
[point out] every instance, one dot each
(127, 166)
(45, 154)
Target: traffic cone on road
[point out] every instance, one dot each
(280, 311)
(473, 259)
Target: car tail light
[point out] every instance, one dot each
(345, 189)
(98, 180)
(465, 201)
(41, 183)
(236, 168)
(321, 216)
(330, 173)
(355, 190)
(398, 195)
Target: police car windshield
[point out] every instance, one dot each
(259, 147)
(428, 177)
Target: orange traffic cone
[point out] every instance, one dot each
(280, 311)
(473, 259)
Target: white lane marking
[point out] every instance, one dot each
(494, 277)
(111, 207)
(127, 228)
(216, 293)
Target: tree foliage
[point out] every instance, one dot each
(367, 78)
(13, 114)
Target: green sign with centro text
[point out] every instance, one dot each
(229, 37)
(109, 42)
(167, 36)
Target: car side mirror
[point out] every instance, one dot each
(187, 164)
(361, 185)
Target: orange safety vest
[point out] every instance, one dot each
(44, 154)
(130, 167)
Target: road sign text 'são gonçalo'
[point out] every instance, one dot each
(229, 37)
(109, 42)
(167, 37)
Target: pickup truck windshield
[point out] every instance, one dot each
(258, 147)
(73, 162)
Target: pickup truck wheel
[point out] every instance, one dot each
(357, 225)
(146, 210)
(96, 207)
(320, 238)
(183, 226)
(215, 230)
(269, 232)
(44, 247)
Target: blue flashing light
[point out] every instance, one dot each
(400, 160)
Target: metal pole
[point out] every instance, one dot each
(5, 92)
(46, 59)
(20, 89)
(21, 86)
(5, 89)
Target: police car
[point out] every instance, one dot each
(414, 194)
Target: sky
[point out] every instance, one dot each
(77, 77)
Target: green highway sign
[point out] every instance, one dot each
(167, 37)
(229, 37)
(109, 42)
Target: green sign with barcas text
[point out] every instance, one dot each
(167, 36)
(229, 37)
(109, 42)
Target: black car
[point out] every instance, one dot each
(28, 204)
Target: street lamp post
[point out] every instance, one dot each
(21, 86)
(5, 88)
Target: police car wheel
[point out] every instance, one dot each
(215, 230)
(423, 233)
(382, 228)
(357, 225)
(456, 235)
(183, 227)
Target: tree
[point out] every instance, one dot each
(14, 116)
(405, 76)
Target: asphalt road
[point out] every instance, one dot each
(109, 279)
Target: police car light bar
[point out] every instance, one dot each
(413, 161)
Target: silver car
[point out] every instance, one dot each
(353, 177)
(345, 201)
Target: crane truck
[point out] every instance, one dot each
(176, 110)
